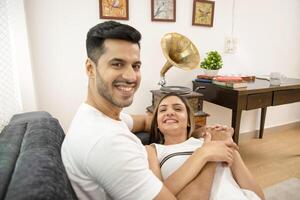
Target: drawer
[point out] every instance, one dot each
(259, 100)
(286, 96)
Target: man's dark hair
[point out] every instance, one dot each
(108, 30)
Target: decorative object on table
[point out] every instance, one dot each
(113, 9)
(203, 13)
(212, 63)
(180, 52)
(275, 78)
(163, 10)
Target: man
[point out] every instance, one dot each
(103, 159)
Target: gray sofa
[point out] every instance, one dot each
(30, 161)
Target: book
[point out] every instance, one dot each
(231, 84)
(203, 80)
(202, 76)
(228, 78)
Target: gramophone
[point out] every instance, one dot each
(182, 53)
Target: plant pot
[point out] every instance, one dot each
(210, 72)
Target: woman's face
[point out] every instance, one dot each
(172, 116)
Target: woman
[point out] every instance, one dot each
(173, 156)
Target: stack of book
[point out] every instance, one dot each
(204, 78)
(229, 81)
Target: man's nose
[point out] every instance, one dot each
(129, 74)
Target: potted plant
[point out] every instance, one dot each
(212, 63)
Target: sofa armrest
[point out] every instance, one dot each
(29, 117)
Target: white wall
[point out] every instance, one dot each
(268, 40)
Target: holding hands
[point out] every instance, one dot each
(218, 144)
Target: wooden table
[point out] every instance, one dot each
(258, 94)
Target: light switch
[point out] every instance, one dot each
(230, 45)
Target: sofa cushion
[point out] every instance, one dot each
(10, 142)
(39, 172)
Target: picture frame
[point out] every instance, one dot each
(114, 9)
(203, 13)
(163, 10)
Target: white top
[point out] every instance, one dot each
(104, 160)
(224, 187)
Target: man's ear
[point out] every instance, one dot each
(90, 68)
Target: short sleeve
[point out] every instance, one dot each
(120, 166)
(127, 119)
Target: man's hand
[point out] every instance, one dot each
(219, 132)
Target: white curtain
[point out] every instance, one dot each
(9, 90)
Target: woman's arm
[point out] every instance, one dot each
(217, 151)
(243, 176)
(199, 188)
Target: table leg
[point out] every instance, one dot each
(262, 121)
(235, 123)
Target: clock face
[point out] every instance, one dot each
(203, 13)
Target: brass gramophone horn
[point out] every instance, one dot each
(180, 52)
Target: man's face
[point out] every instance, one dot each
(118, 72)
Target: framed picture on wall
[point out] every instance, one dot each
(113, 9)
(203, 13)
(163, 10)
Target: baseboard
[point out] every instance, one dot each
(284, 127)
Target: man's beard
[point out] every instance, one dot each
(103, 90)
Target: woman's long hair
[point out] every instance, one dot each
(155, 135)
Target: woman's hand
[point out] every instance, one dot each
(218, 151)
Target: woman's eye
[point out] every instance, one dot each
(162, 110)
(177, 108)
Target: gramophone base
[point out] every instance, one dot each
(176, 89)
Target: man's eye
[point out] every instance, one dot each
(118, 65)
(136, 67)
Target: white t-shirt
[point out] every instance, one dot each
(104, 160)
(224, 187)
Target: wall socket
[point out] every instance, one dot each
(230, 45)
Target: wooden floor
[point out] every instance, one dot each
(274, 158)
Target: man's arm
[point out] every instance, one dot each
(200, 187)
(210, 151)
(141, 123)
(120, 166)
